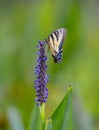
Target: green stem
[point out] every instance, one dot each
(42, 111)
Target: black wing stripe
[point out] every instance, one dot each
(57, 32)
(52, 37)
(56, 35)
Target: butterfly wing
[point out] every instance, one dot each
(55, 41)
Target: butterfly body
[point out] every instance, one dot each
(55, 41)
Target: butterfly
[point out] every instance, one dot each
(55, 41)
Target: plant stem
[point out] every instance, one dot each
(42, 111)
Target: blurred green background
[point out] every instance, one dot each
(22, 24)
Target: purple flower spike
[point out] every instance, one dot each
(42, 77)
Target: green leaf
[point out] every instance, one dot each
(62, 117)
(35, 121)
(49, 125)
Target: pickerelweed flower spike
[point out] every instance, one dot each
(42, 77)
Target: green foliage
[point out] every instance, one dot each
(49, 124)
(35, 121)
(62, 117)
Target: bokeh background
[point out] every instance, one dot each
(22, 24)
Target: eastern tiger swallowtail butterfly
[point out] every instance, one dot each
(55, 41)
